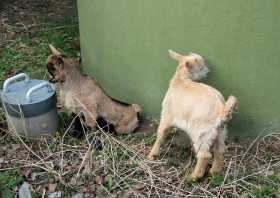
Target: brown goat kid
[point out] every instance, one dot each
(81, 94)
(197, 109)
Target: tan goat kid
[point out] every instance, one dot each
(81, 94)
(197, 109)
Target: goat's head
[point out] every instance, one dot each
(58, 64)
(192, 65)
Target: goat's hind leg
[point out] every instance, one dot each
(203, 157)
(218, 150)
(203, 154)
(162, 133)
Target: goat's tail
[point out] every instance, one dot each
(229, 107)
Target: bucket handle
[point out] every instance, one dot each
(36, 88)
(12, 79)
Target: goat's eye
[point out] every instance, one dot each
(188, 65)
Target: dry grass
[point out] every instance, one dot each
(104, 165)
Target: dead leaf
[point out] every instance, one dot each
(139, 186)
(98, 180)
(128, 193)
(57, 194)
(14, 147)
(73, 181)
(34, 175)
(11, 35)
(26, 172)
(270, 173)
(52, 187)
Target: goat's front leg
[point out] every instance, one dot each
(91, 120)
(161, 135)
(89, 110)
(90, 113)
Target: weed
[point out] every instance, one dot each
(268, 156)
(264, 191)
(109, 181)
(8, 182)
(216, 180)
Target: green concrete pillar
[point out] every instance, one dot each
(124, 45)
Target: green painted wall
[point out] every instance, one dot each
(125, 42)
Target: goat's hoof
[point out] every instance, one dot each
(151, 157)
(214, 171)
(189, 180)
(196, 176)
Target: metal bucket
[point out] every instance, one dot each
(30, 106)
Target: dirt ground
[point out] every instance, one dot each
(99, 163)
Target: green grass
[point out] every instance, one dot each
(29, 53)
(216, 181)
(8, 181)
(265, 191)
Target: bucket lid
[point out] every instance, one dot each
(26, 92)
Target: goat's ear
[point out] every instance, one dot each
(50, 64)
(137, 108)
(54, 50)
(176, 56)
